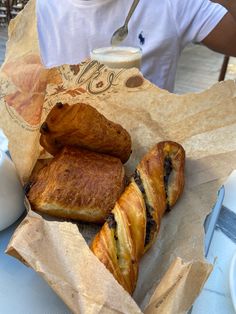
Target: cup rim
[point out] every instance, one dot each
(132, 49)
(98, 53)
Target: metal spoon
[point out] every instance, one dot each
(121, 33)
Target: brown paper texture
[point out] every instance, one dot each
(178, 281)
(204, 124)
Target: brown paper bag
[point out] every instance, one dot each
(203, 123)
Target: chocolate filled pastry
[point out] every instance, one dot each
(78, 184)
(133, 224)
(81, 125)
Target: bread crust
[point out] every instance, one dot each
(134, 222)
(81, 125)
(78, 184)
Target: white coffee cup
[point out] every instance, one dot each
(11, 193)
(118, 57)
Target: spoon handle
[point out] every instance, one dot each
(131, 11)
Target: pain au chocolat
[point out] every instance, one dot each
(78, 184)
(133, 224)
(81, 125)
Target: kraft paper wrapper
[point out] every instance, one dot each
(173, 271)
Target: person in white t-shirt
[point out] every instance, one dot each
(69, 29)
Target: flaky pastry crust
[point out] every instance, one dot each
(81, 125)
(133, 224)
(78, 184)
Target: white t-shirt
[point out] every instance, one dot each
(69, 29)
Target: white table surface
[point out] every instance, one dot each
(22, 290)
(215, 298)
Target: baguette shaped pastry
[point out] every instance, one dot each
(133, 224)
(83, 126)
(78, 184)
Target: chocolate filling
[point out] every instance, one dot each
(58, 143)
(151, 225)
(112, 224)
(111, 221)
(168, 167)
(59, 105)
(27, 187)
(138, 181)
(44, 129)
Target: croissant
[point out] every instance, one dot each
(133, 224)
(81, 125)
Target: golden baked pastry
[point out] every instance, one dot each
(78, 184)
(83, 126)
(133, 224)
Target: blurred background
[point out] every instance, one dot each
(198, 68)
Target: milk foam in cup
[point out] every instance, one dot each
(11, 193)
(118, 57)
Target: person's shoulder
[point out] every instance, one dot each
(189, 5)
(42, 3)
(44, 7)
(46, 3)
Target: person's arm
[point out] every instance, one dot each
(223, 37)
(230, 5)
